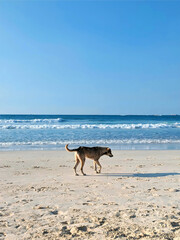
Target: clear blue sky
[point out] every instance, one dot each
(90, 57)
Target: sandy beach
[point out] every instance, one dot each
(137, 196)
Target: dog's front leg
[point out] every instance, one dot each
(95, 167)
(100, 167)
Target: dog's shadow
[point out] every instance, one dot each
(141, 175)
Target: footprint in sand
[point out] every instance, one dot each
(37, 167)
(175, 224)
(40, 207)
(158, 164)
(2, 234)
(54, 212)
(152, 189)
(63, 166)
(5, 166)
(172, 190)
(141, 166)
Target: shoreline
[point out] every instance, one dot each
(112, 147)
(135, 197)
(114, 150)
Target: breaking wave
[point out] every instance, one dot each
(30, 121)
(83, 126)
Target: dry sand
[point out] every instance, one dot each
(137, 196)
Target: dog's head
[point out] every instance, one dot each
(109, 153)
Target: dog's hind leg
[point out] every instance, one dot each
(77, 162)
(82, 159)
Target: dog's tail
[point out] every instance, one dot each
(70, 150)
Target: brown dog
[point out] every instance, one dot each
(93, 153)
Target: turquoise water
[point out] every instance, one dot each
(21, 132)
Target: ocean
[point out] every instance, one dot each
(48, 132)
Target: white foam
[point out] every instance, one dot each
(90, 126)
(30, 121)
(90, 142)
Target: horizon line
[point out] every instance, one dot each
(71, 114)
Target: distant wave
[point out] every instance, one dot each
(30, 121)
(90, 142)
(85, 126)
